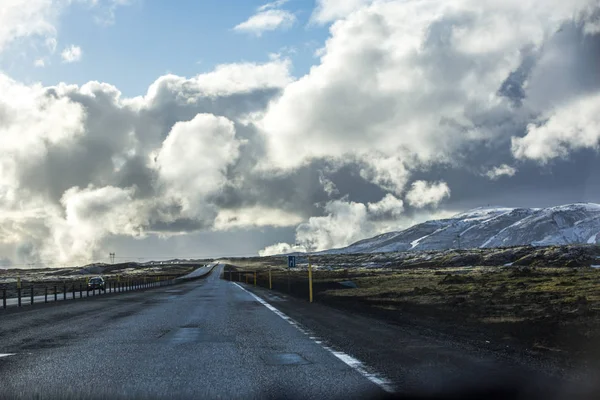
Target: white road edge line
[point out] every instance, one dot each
(347, 359)
(6, 355)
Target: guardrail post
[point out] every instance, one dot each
(64, 291)
(73, 291)
(55, 293)
(4, 298)
(80, 291)
(31, 294)
(19, 296)
(46, 294)
(310, 282)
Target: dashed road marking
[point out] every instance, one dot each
(6, 355)
(347, 359)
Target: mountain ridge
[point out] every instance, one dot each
(490, 227)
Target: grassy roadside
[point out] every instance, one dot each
(553, 311)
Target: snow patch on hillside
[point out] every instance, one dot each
(487, 227)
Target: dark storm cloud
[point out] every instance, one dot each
(135, 172)
(177, 226)
(88, 161)
(298, 191)
(562, 182)
(566, 67)
(513, 86)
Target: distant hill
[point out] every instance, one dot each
(491, 227)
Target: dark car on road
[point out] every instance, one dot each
(96, 283)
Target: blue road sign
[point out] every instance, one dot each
(291, 261)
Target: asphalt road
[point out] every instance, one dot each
(201, 339)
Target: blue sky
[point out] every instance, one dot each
(150, 38)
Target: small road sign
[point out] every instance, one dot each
(291, 261)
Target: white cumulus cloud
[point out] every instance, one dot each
(71, 54)
(412, 83)
(500, 171)
(193, 159)
(575, 125)
(155, 164)
(346, 222)
(281, 248)
(331, 10)
(424, 193)
(268, 17)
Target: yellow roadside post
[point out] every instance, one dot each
(254, 278)
(18, 282)
(310, 283)
(270, 281)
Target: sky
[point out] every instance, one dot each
(210, 128)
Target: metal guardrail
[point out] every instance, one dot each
(72, 291)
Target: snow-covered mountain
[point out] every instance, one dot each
(492, 227)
